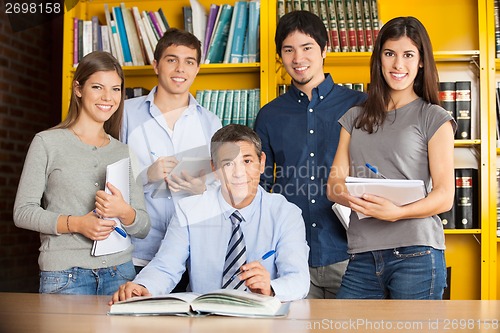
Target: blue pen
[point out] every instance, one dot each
(264, 257)
(374, 170)
(120, 231)
(154, 154)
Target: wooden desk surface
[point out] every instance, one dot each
(74, 314)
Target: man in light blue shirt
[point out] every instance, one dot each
(162, 128)
(200, 232)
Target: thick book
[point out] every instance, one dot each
(224, 302)
(239, 33)
(375, 19)
(447, 94)
(463, 109)
(333, 30)
(341, 25)
(448, 218)
(114, 38)
(350, 25)
(466, 198)
(253, 30)
(398, 191)
(117, 174)
(358, 20)
(367, 22)
(187, 13)
(143, 36)
(323, 15)
(199, 15)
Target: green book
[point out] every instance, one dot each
(218, 44)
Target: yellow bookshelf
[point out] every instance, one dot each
(462, 33)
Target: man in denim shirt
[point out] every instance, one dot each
(300, 132)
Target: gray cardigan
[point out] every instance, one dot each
(61, 176)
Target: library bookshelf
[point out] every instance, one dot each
(462, 35)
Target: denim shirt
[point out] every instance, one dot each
(301, 136)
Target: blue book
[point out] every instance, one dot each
(127, 56)
(228, 108)
(253, 30)
(235, 116)
(241, 13)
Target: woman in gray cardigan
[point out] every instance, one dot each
(61, 190)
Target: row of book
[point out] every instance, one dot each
(129, 34)
(465, 211)
(228, 33)
(352, 25)
(455, 98)
(232, 106)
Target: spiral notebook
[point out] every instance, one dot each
(117, 174)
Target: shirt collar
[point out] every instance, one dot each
(323, 89)
(247, 212)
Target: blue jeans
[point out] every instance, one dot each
(412, 272)
(76, 280)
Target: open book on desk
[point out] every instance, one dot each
(117, 174)
(224, 302)
(400, 191)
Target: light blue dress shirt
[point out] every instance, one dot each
(200, 232)
(145, 130)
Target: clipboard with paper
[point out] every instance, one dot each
(117, 174)
(399, 191)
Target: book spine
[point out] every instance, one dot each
(313, 7)
(155, 24)
(228, 108)
(113, 36)
(375, 21)
(351, 31)
(466, 198)
(280, 9)
(368, 31)
(296, 5)
(106, 45)
(163, 28)
(496, 11)
(87, 37)
(75, 41)
(236, 53)
(497, 93)
(323, 15)
(235, 116)
(150, 31)
(206, 99)
(212, 16)
(304, 5)
(360, 33)
(333, 27)
(199, 96)
(463, 110)
(214, 97)
(447, 95)
(243, 114)
(188, 18)
(218, 47)
(132, 36)
(143, 36)
(253, 30)
(127, 56)
(163, 18)
(230, 36)
(448, 218)
(95, 33)
(341, 25)
(221, 102)
(288, 6)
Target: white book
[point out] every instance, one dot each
(87, 37)
(143, 37)
(149, 30)
(133, 36)
(225, 302)
(114, 38)
(399, 191)
(117, 174)
(199, 20)
(106, 46)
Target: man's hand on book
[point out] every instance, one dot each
(129, 290)
(257, 278)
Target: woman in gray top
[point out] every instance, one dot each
(61, 190)
(397, 252)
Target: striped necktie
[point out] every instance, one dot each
(236, 255)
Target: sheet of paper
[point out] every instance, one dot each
(117, 174)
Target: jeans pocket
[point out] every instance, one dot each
(412, 252)
(126, 271)
(53, 282)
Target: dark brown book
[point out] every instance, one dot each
(447, 97)
(466, 198)
(463, 110)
